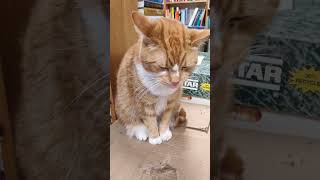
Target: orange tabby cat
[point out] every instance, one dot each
(235, 25)
(151, 74)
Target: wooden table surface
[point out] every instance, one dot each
(185, 157)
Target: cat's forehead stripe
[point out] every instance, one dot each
(175, 67)
(175, 43)
(174, 39)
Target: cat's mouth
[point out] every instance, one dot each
(174, 86)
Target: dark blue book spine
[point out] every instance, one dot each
(196, 18)
(152, 4)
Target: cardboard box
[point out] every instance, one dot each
(282, 73)
(198, 84)
(186, 156)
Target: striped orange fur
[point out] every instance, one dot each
(151, 74)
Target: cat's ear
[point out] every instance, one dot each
(198, 37)
(143, 25)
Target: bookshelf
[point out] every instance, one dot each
(183, 4)
(189, 4)
(186, 10)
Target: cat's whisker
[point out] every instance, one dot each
(141, 91)
(154, 85)
(146, 90)
(139, 88)
(74, 100)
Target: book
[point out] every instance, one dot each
(182, 16)
(199, 18)
(195, 21)
(157, 1)
(193, 16)
(151, 4)
(153, 12)
(202, 21)
(140, 5)
(190, 14)
(172, 12)
(177, 14)
(186, 16)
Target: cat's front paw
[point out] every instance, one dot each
(156, 140)
(139, 131)
(141, 135)
(166, 135)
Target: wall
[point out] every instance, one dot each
(122, 34)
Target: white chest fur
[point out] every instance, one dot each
(155, 88)
(161, 105)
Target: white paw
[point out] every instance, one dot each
(139, 131)
(141, 135)
(157, 140)
(166, 136)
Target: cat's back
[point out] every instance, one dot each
(126, 76)
(128, 59)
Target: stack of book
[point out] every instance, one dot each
(193, 18)
(153, 8)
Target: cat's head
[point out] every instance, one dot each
(168, 49)
(236, 23)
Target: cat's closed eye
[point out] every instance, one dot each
(185, 68)
(164, 68)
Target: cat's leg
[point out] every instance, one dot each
(150, 121)
(165, 132)
(179, 117)
(140, 131)
(133, 124)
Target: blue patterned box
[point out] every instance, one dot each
(282, 72)
(198, 84)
